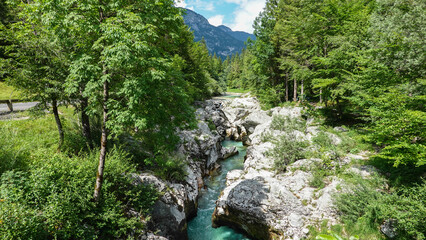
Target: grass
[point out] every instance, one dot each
(23, 138)
(6, 90)
(46, 194)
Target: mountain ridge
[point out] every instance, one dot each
(220, 40)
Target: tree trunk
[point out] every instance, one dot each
(58, 123)
(286, 87)
(320, 95)
(104, 139)
(295, 90)
(85, 123)
(301, 92)
(9, 103)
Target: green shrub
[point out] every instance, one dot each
(322, 140)
(287, 149)
(365, 207)
(327, 167)
(211, 125)
(269, 97)
(53, 199)
(334, 236)
(317, 180)
(287, 124)
(168, 166)
(408, 207)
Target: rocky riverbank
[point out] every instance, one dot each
(263, 202)
(259, 200)
(202, 146)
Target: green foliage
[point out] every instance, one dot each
(7, 92)
(399, 130)
(211, 125)
(322, 140)
(287, 147)
(334, 236)
(364, 59)
(21, 138)
(317, 180)
(53, 199)
(237, 90)
(45, 194)
(170, 167)
(269, 97)
(288, 124)
(365, 207)
(287, 150)
(329, 166)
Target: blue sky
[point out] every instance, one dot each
(236, 14)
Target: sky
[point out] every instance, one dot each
(238, 15)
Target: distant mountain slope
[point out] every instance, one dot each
(242, 36)
(220, 40)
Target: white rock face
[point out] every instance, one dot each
(258, 200)
(249, 103)
(203, 149)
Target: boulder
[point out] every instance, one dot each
(235, 114)
(388, 228)
(255, 118)
(340, 129)
(241, 208)
(249, 103)
(168, 216)
(228, 152)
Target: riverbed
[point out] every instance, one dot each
(200, 228)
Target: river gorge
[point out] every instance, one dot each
(233, 187)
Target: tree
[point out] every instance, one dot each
(124, 59)
(37, 65)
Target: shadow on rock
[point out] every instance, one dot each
(243, 209)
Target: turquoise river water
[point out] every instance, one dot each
(200, 228)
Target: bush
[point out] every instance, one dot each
(169, 167)
(322, 140)
(53, 199)
(287, 124)
(287, 149)
(365, 207)
(269, 97)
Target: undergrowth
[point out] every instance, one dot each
(47, 194)
(287, 147)
(168, 166)
(367, 205)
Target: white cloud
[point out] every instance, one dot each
(183, 4)
(245, 14)
(216, 20)
(199, 4)
(180, 3)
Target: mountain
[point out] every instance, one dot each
(220, 40)
(242, 36)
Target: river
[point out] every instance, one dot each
(200, 228)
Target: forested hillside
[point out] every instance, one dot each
(359, 63)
